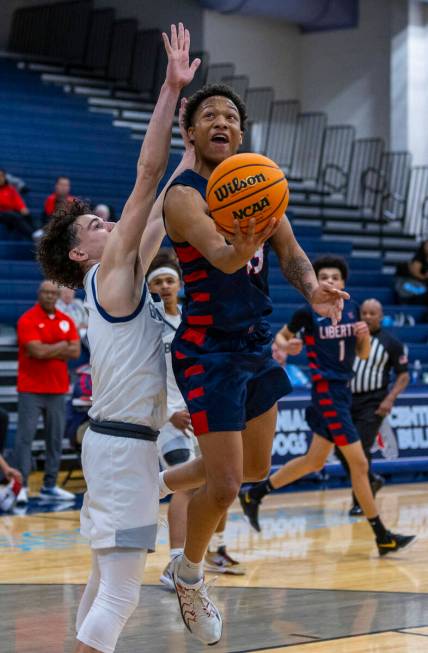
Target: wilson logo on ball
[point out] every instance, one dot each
(246, 187)
(236, 185)
(252, 209)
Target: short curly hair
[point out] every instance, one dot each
(330, 261)
(211, 90)
(59, 238)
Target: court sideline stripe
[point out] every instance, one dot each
(408, 632)
(279, 647)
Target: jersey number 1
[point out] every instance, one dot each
(341, 350)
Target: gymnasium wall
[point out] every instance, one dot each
(266, 50)
(346, 73)
(343, 72)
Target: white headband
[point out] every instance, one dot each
(164, 270)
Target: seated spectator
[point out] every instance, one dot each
(9, 493)
(47, 339)
(411, 284)
(72, 306)
(13, 210)
(58, 198)
(105, 212)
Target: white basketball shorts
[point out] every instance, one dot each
(121, 504)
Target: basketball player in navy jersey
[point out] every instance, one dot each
(222, 350)
(331, 351)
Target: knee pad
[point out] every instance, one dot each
(176, 457)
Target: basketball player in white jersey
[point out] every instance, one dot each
(119, 455)
(176, 442)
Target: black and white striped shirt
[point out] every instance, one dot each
(386, 354)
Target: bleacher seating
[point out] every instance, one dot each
(338, 183)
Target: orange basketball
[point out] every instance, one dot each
(244, 186)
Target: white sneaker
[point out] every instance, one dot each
(199, 613)
(56, 494)
(22, 498)
(166, 577)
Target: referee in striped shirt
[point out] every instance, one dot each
(372, 398)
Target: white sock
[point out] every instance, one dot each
(190, 572)
(164, 490)
(176, 552)
(216, 542)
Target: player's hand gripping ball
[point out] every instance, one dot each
(246, 186)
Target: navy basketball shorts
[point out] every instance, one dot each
(225, 378)
(329, 414)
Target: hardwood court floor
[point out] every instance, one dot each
(314, 582)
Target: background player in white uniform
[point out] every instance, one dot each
(176, 442)
(119, 454)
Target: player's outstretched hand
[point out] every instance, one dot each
(247, 244)
(179, 72)
(328, 301)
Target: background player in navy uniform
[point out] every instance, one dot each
(222, 350)
(331, 352)
(372, 399)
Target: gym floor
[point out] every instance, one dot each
(314, 581)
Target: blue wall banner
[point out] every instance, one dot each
(402, 444)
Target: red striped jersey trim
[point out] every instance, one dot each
(195, 393)
(340, 440)
(200, 320)
(201, 296)
(193, 370)
(197, 275)
(195, 336)
(187, 254)
(200, 422)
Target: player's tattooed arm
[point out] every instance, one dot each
(295, 265)
(300, 273)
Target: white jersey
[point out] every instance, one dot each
(127, 361)
(175, 399)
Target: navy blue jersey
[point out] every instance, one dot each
(213, 299)
(330, 349)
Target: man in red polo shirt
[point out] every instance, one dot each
(59, 197)
(47, 340)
